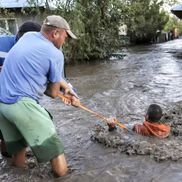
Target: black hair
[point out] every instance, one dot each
(154, 113)
(27, 27)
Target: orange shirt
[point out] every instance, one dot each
(152, 129)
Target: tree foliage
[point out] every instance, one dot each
(143, 19)
(96, 23)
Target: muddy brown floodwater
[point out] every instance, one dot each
(123, 89)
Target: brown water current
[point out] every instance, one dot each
(122, 89)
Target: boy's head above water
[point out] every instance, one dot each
(154, 113)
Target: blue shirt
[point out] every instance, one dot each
(6, 43)
(29, 65)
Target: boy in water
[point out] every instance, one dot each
(152, 125)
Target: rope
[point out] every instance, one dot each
(103, 118)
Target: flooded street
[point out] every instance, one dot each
(120, 88)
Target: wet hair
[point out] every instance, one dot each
(154, 113)
(28, 26)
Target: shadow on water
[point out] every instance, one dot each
(121, 88)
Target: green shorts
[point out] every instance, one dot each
(27, 123)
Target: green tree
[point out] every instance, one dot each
(143, 19)
(96, 23)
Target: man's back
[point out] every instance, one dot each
(29, 65)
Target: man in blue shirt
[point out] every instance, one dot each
(38, 62)
(8, 41)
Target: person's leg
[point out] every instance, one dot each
(12, 142)
(36, 126)
(16, 148)
(4, 152)
(18, 159)
(59, 165)
(3, 146)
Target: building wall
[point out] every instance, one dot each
(16, 17)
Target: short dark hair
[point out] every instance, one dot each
(154, 113)
(27, 26)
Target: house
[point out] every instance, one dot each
(14, 12)
(177, 10)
